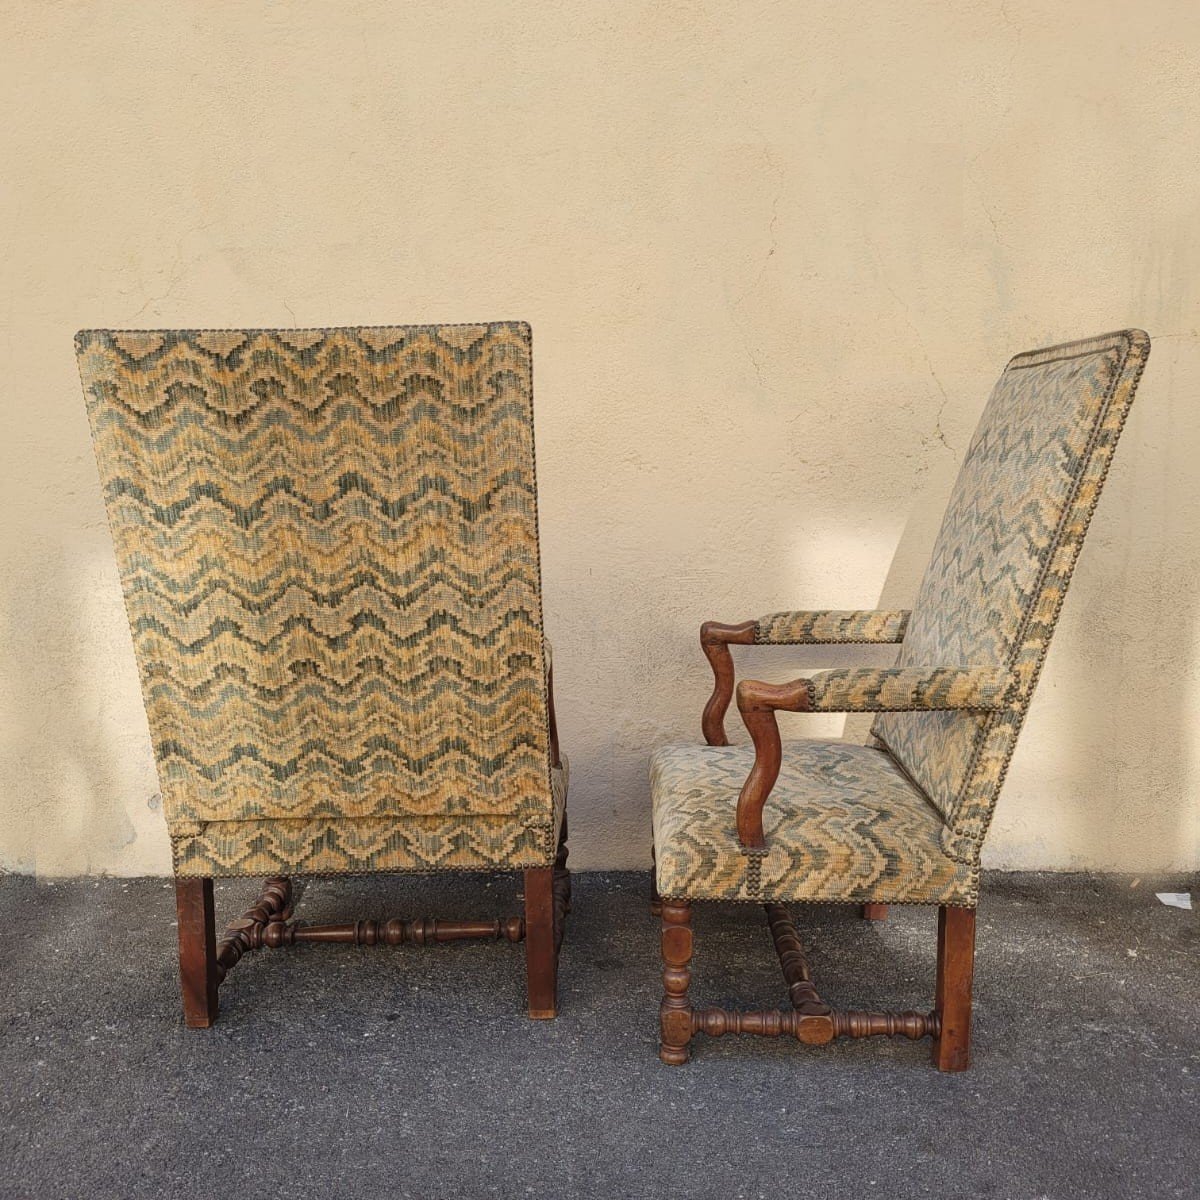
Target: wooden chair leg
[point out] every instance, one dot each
(874, 912)
(955, 967)
(541, 958)
(675, 1011)
(197, 951)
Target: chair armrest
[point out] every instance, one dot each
(832, 627)
(868, 689)
(819, 627)
(883, 689)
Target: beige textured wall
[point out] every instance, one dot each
(773, 254)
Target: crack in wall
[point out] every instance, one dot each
(773, 245)
(938, 434)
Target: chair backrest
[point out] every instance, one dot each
(328, 545)
(1003, 559)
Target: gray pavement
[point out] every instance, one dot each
(410, 1072)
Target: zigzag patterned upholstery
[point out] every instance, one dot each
(825, 627)
(843, 823)
(328, 545)
(1003, 559)
(906, 821)
(903, 689)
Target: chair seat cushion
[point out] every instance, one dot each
(351, 846)
(842, 823)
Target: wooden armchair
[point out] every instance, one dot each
(900, 821)
(328, 545)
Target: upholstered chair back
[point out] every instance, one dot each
(328, 545)
(1002, 561)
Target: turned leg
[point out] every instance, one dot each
(655, 898)
(541, 959)
(955, 966)
(874, 912)
(675, 1011)
(197, 951)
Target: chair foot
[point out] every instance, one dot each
(955, 968)
(675, 1011)
(541, 955)
(198, 979)
(874, 912)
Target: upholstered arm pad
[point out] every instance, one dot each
(882, 689)
(821, 626)
(830, 627)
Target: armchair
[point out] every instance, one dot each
(902, 820)
(328, 546)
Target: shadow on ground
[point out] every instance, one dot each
(336, 1071)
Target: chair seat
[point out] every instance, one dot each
(842, 823)
(355, 846)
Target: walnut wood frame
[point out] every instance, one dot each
(715, 640)
(205, 961)
(810, 1020)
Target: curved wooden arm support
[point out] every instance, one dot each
(715, 640)
(758, 703)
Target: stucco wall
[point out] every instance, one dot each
(774, 256)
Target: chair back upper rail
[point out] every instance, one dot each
(328, 546)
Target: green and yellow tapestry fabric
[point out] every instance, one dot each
(830, 627)
(328, 545)
(908, 823)
(1003, 559)
(340, 845)
(842, 823)
(903, 689)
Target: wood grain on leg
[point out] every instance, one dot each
(955, 968)
(675, 1011)
(541, 956)
(874, 912)
(197, 951)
